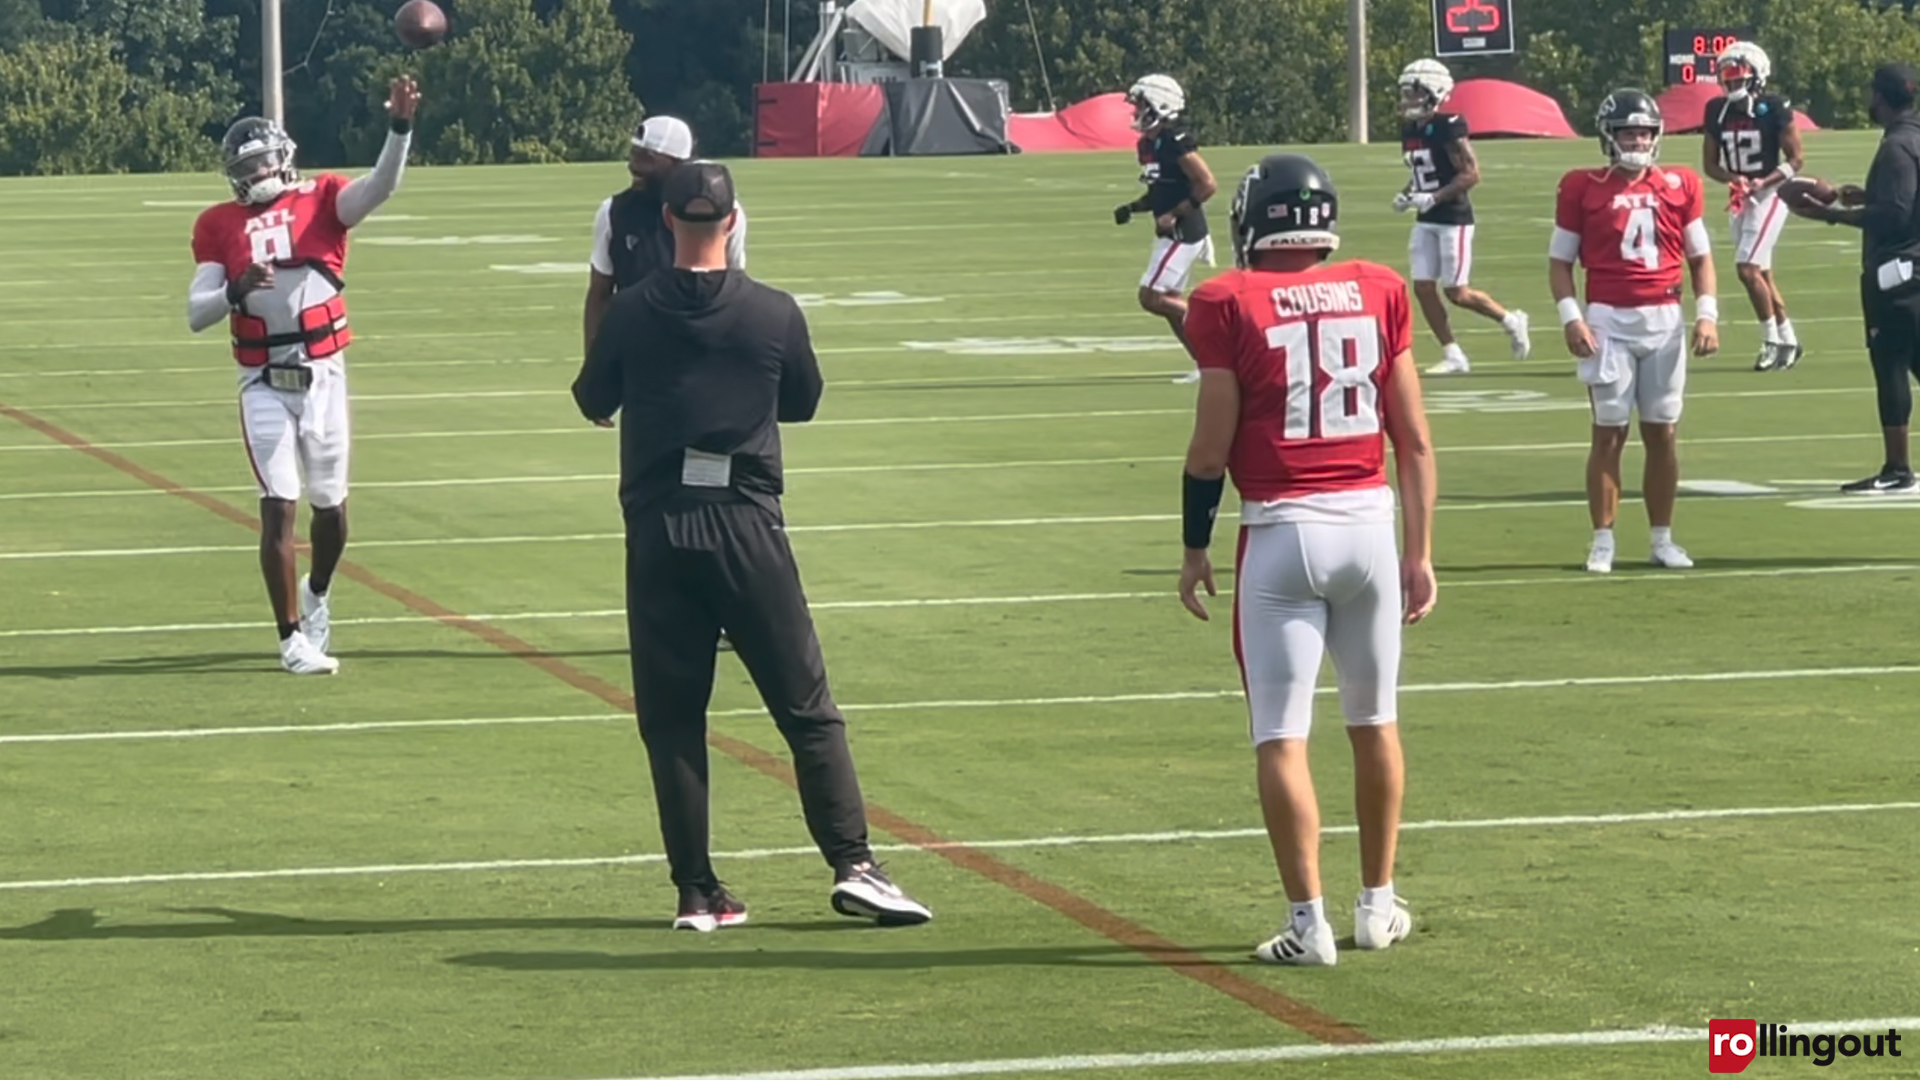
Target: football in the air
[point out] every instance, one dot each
(420, 23)
(1806, 191)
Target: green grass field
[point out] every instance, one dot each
(1635, 803)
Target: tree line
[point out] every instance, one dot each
(148, 85)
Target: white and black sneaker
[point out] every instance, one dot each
(864, 891)
(1889, 481)
(1314, 948)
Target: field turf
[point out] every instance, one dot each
(1636, 803)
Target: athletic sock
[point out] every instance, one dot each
(1510, 320)
(1455, 352)
(1787, 336)
(288, 629)
(1309, 915)
(1380, 899)
(1770, 332)
(1603, 536)
(1662, 535)
(318, 586)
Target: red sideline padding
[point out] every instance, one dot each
(1098, 123)
(1685, 108)
(814, 119)
(1496, 107)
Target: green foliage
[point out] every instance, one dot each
(557, 80)
(69, 104)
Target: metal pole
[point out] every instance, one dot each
(1357, 71)
(271, 102)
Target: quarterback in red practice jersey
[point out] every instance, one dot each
(1636, 226)
(269, 263)
(1306, 372)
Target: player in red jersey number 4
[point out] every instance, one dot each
(1306, 372)
(269, 263)
(1635, 226)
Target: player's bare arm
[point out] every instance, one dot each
(1466, 175)
(1706, 323)
(1216, 421)
(1714, 164)
(1580, 340)
(1406, 422)
(1200, 179)
(599, 295)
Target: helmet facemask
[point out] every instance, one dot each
(261, 170)
(1738, 80)
(1643, 144)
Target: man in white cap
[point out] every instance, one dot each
(631, 238)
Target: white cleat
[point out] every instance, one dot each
(1600, 557)
(1313, 949)
(298, 656)
(315, 620)
(1190, 377)
(1379, 929)
(1520, 336)
(1672, 556)
(1452, 365)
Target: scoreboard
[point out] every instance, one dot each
(1472, 27)
(1692, 54)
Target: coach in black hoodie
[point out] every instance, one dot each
(705, 363)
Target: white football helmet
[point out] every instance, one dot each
(1744, 69)
(1424, 86)
(1156, 99)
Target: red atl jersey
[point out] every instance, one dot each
(1312, 350)
(301, 227)
(1633, 233)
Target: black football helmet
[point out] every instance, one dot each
(1286, 201)
(258, 160)
(1627, 109)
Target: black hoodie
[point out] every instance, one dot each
(1892, 221)
(703, 360)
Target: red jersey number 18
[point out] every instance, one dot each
(1348, 351)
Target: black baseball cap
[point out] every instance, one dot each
(699, 191)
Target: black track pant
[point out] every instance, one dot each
(692, 572)
(1893, 341)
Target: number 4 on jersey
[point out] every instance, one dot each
(1639, 241)
(1348, 351)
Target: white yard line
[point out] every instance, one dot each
(1564, 683)
(1173, 836)
(482, 395)
(1447, 586)
(1298, 1052)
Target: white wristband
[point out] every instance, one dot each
(1706, 309)
(1786, 171)
(1570, 311)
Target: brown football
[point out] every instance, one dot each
(1804, 191)
(420, 23)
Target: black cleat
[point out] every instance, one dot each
(865, 892)
(707, 910)
(1889, 481)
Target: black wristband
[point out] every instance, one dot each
(400, 126)
(1199, 504)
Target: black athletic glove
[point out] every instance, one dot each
(1123, 213)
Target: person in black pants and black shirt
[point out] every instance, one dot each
(1887, 211)
(705, 363)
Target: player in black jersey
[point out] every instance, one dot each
(1753, 147)
(1444, 170)
(1178, 186)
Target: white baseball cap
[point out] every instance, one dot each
(665, 135)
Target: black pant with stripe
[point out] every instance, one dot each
(697, 568)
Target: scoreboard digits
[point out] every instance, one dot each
(1693, 54)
